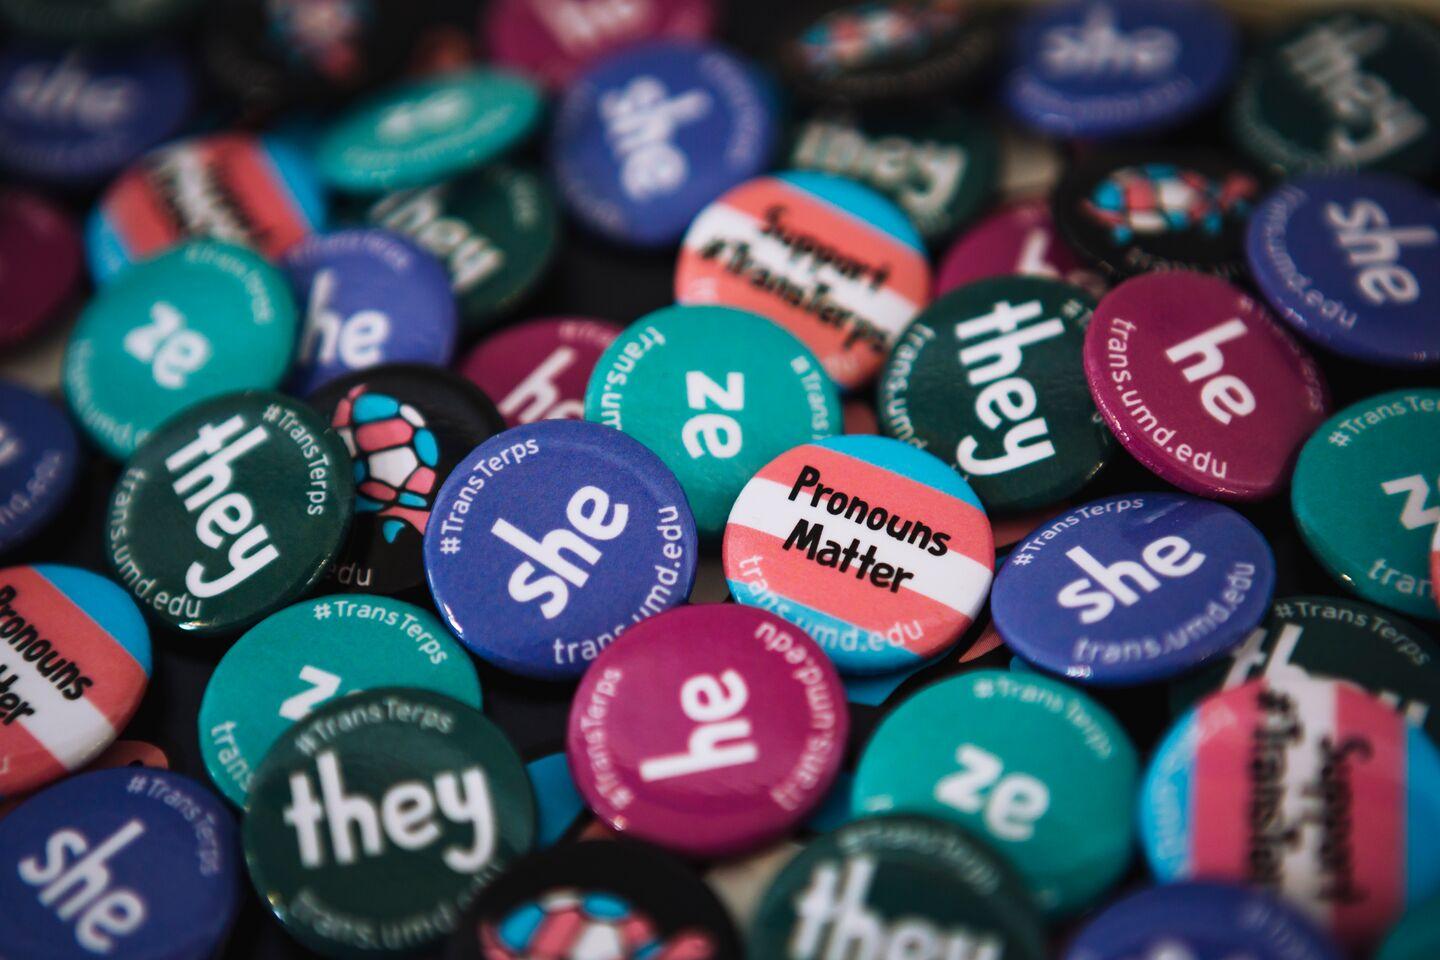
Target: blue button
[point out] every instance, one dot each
(38, 456)
(1352, 261)
(127, 862)
(647, 138)
(1112, 68)
(551, 539)
(1133, 588)
(370, 297)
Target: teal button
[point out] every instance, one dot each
(427, 130)
(1034, 766)
(295, 661)
(1364, 497)
(206, 318)
(716, 393)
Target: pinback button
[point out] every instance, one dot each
(644, 139)
(1063, 772)
(578, 533)
(646, 744)
(93, 19)
(39, 453)
(1311, 789)
(529, 36)
(938, 166)
(877, 550)
(495, 230)
(1344, 639)
(1157, 209)
(230, 186)
(391, 808)
(292, 662)
(832, 261)
(984, 366)
(76, 115)
(124, 863)
(538, 370)
(1360, 495)
(1201, 921)
(1017, 239)
(618, 898)
(1295, 109)
(1112, 68)
(425, 130)
(898, 883)
(39, 263)
(405, 426)
(1352, 262)
(1201, 385)
(1416, 936)
(1134, 588)
(206, 318)
(370, 297)
(715, 393)
(230, 511)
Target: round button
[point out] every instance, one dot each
(495, 230)
(391, 809)
(207, 318)
(370, 297)
(1361, 492)
(1019, 238)
(1036, 768)
(1133, 588)
(230, 186)
(538, 40)
(1200, 384)
(405, 426)
(647, 137)
(292, 662)
(1311, 789)
(716, 394)
(711, 730)
(74, 665)
(899, 883)
(39, 454)
(1352, 262)
(879, 551)
(1201, 921)
(76, 115)
(426, 130)
(230, 511)
(538, 370)
(123, 863)
(1157, 209)
(1293, 110)
(990, 378)
(39, 264)
(1416, 936)
(549, 540)
(832, 261)
(1114, 68)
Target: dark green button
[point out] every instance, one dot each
(375, 821)
(990, 378)
(230, 511)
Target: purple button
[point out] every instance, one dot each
(39, 263)
(710, 729)
(1017, 239)
(1202, 385)
(538, 370)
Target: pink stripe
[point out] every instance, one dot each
(1221, 788)
(31, 764)
(1377, 802)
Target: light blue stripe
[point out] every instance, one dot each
(104, 252)
(1422, 812)
(1171, 770)
(107, 604)
(557, 802)
(857, 201)
(887, 661)
(907, 461)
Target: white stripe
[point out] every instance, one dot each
(955, 580)
(69, 729)
(1315, 707)
(885, 307)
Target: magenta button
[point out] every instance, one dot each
(1201, 384)
(710, 729)
(39, 263)
(552, 40)
(1016, 239)
(538, 370)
